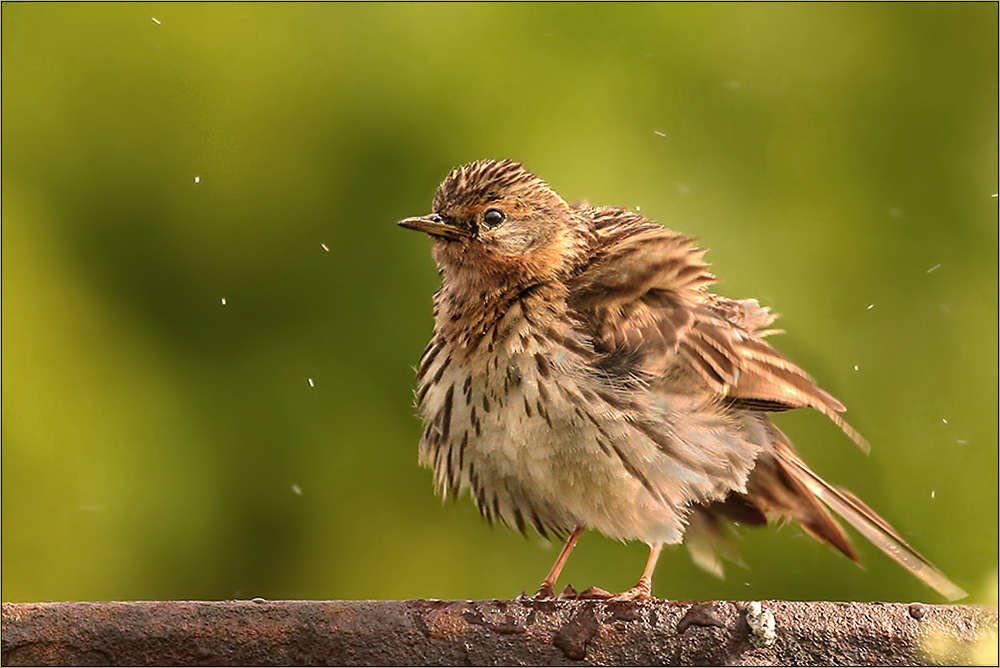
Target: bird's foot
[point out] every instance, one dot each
(595, 593)
(544, 593)
(547, 593)
(637, 593)
(642, 591)
(569, 593)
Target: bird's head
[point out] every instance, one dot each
(496, 222)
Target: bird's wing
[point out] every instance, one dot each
(645, 293)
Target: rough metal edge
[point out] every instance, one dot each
(517, 632)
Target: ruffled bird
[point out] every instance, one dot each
(582, 375)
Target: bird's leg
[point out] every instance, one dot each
(548, 584)
(644, 588)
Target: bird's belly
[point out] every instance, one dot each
(532, 450)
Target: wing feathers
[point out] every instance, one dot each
(645, 291)
(645, 294)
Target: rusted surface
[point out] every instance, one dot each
(421, 632)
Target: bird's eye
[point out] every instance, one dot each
(493, 217)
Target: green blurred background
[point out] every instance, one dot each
(200, 401)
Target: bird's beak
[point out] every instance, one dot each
(435, 226)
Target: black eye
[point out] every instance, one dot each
(493, 217)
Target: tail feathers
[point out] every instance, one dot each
(708, 542)
(708, 538)
(777, 490)
(782, 486)
(862, 518)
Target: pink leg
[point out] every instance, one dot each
(548, 584)
(644, 588)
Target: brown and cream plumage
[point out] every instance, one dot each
(582, 375)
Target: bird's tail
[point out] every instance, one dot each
(786, 487)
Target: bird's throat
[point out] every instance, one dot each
(493, 319)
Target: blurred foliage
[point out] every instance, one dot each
(210, 319)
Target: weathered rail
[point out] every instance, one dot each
(422, 632)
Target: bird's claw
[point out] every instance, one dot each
(637, 593)
(568, 593)
(544, 593)
(595, 593)
(547, 593)
(640, 592)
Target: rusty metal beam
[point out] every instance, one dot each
(420, 632)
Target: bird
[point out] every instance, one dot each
(582, 375)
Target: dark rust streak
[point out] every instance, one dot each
(542, 364)
(636, 473)
(476, 422)
(540, 406)
(461, 450)
(445, 413)
(433, 348)
(496, 508)
(519, 519)
(664, 443)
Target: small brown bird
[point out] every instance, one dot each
(582, 375)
